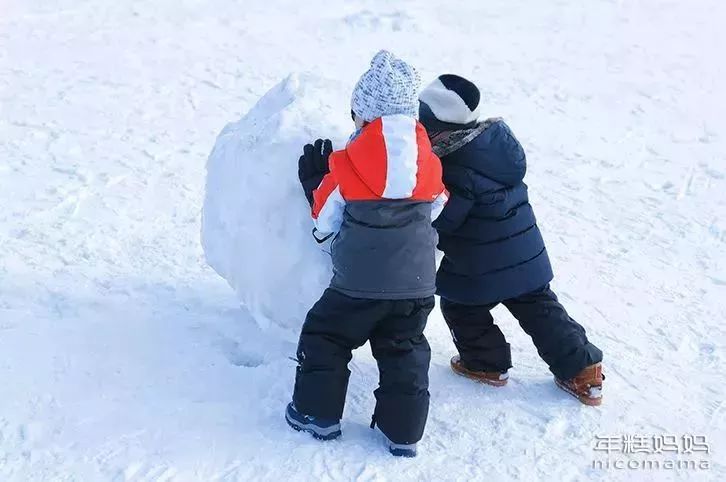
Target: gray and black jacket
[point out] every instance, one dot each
(381, 194)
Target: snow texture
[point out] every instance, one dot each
(124, 357)
(256, 225)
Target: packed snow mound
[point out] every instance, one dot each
(256, 226)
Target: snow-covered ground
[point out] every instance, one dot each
(124, 357)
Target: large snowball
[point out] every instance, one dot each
(256, 226)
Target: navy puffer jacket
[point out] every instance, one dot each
(493, 249)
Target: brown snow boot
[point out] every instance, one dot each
(496, 379)
(586, 386)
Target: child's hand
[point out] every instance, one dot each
(314, 160)
(313, 165)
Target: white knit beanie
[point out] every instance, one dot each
(389, 87)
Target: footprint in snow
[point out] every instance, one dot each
(238, 356)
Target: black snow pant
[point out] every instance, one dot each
(561, 342)
(335, 326)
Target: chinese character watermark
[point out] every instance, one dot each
(652, 452)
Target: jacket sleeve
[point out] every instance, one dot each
(438, 205)
(454, 213)
(328, 205)
(460, 201)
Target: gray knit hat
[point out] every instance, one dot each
(389, 87)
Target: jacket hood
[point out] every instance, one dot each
(387, 154)
(490, 149)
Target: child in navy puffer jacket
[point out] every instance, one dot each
(493, 250)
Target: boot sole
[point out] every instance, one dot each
(459, 370)
(409, 454)
(590, 402)
(320, 436)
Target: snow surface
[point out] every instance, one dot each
(123, 356)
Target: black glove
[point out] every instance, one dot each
(313, 166)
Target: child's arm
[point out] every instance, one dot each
(461, 200)
(437, 207)
(328, 206)
(454, 213)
